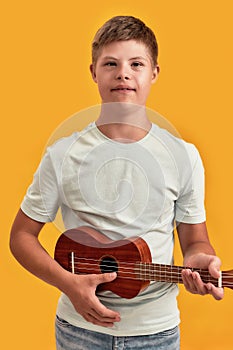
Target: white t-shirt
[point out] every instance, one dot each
(123, 190)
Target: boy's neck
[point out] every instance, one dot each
(123, 122)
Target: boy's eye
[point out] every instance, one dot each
(110, 64)
(137, 64)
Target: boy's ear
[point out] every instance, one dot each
(155, 74)
(92, 69)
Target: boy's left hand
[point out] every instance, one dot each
(192, 280)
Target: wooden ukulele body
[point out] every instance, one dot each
(90, 247)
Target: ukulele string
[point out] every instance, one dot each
(141, 265)
(161, 267)
(124, 272)
(173, 278)
(146, 270)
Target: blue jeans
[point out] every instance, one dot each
(69, 337)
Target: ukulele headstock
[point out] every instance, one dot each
(227, 279)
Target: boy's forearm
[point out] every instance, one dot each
(194, 240)
(28, 251)
(198, 248)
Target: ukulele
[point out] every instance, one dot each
(84, 250)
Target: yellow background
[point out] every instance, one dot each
(45, 55)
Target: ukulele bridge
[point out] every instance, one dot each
(72, 262)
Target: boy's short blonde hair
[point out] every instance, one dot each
(121, 28)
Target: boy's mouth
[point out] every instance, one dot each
(123, 88)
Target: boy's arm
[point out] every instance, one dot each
(198, 252)
(27, 249)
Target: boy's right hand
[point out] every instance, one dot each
(82, 294)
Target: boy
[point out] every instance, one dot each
(124, 176)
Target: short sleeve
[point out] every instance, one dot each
(41, 201)
(190, 206)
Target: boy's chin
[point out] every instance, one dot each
(118, 105)
(124, 100)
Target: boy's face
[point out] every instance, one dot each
(124, 72)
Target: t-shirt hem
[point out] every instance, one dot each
(190, 219)
(122, 332)
(35, 216)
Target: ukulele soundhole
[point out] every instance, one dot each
(108, 264)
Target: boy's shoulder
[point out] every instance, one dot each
(62, 144)
(57, 151)
(175, 144)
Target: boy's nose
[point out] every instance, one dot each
(122, 74)
(123, 77)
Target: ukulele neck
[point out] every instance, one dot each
(171, 274)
